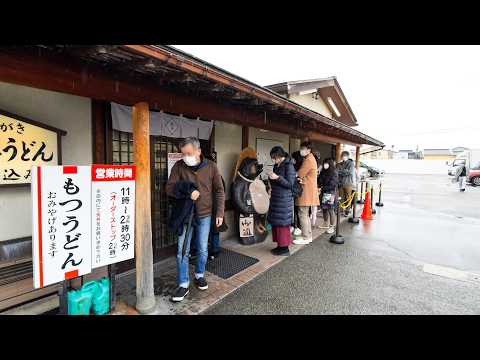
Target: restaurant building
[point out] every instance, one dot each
(78, 100)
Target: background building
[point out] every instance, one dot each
(438, 154)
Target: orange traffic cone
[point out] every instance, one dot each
(367, 208)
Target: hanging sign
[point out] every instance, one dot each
(113, 214)
(24, 143)
(246, 225)
(172, 159)
(61, 240)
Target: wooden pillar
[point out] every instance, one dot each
(357, 157)
(143, 219)
(337, 152)
(245, 136)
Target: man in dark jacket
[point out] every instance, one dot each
(347, 178)
(204, 174)
(461, 177)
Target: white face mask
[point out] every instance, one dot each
(304, 152)
(325, 166)
(190, 160)
(345, 158)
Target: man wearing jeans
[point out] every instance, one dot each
(203, 173)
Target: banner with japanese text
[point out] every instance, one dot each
(61, 234)
(23, 145)
(113, 214)
(83, 218)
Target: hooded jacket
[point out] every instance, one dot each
(347, 175)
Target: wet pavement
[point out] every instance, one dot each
(426, 221)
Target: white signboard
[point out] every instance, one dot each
(246, 226)
(172, 159)
(61, 242)
(113, 214)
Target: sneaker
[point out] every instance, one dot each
(280, 251)
(213, 255)
(331, 230)
(180, 294)
(201, 283)
(297, 232)
(301, 241)
(324, 226)
(309, 240)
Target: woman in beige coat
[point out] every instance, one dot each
(307, 175)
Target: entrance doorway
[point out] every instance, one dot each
(163, 242)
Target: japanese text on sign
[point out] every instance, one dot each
(113, 196)
(83, 218)
(22, 145)
(246, 226)
(61, 241)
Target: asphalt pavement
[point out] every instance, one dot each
(426, 221)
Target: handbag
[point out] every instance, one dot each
(297, 188)
(328, 199)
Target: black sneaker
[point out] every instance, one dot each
(280, 251)
(201, 283)
(180, 294)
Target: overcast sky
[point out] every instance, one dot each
(402, 95)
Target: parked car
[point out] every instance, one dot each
(363, 173)
(474, 176)
(453, 166)
(471, 159)
(371, 171)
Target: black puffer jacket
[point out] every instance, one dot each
(328, 181)
(280, 212)
(242, 198)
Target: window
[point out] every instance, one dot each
(476, 166)
(122, 148)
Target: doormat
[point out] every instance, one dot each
(228, 263)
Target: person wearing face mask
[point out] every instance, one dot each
(280, 211)
(347, 178)
(204, 183)
(327, 183)
(307, 175)
(297, 161)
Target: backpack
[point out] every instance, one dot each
(297, 188)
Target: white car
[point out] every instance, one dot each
(453, 166)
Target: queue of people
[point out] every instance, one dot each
(298, 186)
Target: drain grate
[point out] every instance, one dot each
(228, 263)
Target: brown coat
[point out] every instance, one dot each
(308, 173)
(209, 182)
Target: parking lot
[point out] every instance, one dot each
(415, 257)
(426, 217)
